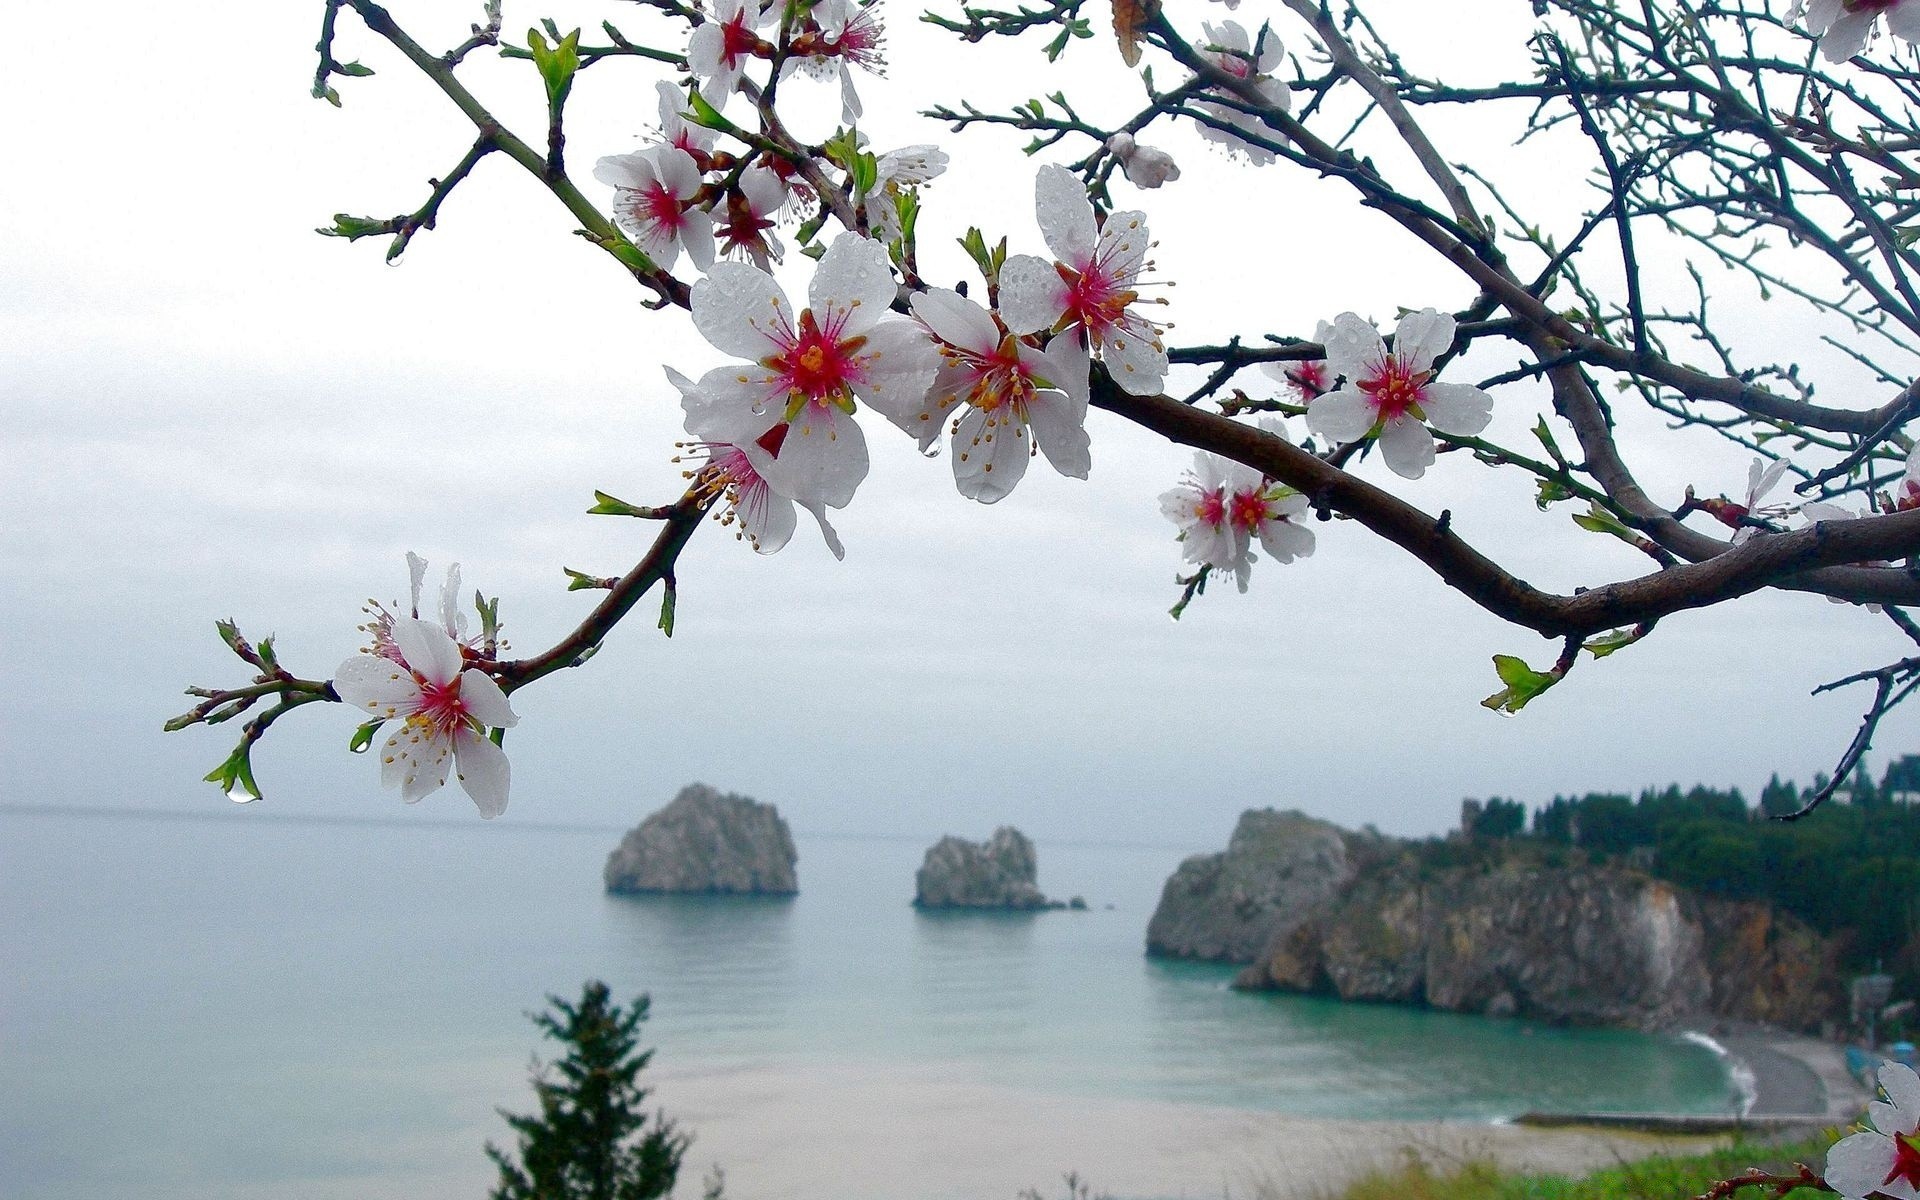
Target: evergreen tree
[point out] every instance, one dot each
(586, 1142)
(1778, 799)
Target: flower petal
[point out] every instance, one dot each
(1124, 244)
(1135, 357)
(1059, 428)
(1407, 447)
(1354, 348)
(697, 237)
(1065, 215)
(1032, 294)
(732, 404)
(854, 284)
(896, 367)
(418, 758)
(484, 701)
(956, 320)
(822, 460)
(741, 310)
(376, 687)
(1342, 416)
(1903, 1089)
(1285, 541)
(766, 517)
(827, 531)
(483, 771)
(1456, 408)
(1859, 1165)
(1422, 337)
(1848, 34)
(431, 654)
(990, 452)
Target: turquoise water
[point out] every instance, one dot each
(243, 1005)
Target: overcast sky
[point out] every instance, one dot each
(210, 411)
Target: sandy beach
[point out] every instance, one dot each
(846, 1134)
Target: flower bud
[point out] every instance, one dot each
(1146, 166)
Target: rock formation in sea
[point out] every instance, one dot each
(1313, 908)
(1278, 868)
(1000, 872)
(708, 842)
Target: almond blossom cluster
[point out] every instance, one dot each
(416, 673)
(1223, 507)
(779, 428)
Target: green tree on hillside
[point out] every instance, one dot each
(586, 1142)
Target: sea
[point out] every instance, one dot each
(242, 1004)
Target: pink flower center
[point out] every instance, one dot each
(658, 207)
(1247, 510)
(861, 42)
(1396, 388)
(1211, 509)
(816, 364)
(1309, 378)
(737, 42)
(1906, 1161)
(1095, 299)
(441, 706)
(745, 229)
(1000, 379)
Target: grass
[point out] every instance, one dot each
(1661, 1178)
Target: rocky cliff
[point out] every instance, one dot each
(706, 841)
(1278, 868)
(1504, 933)
(1000, 872)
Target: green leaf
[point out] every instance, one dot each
(557, 62)
(989, 260)
(1607, 643)
(580, 581)
(345, 225)
(864, 173)
(612, 506)
(363, 737)
(1599, 520)
(630, 255)
(235, 776)
(355, 69)
(322, 91)
(1545, 435)
(1551, 492)
(706, 115)
(667, 604)
(810, 228)
(1523, 684)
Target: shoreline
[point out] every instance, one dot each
(1793, 1075)
(843, 1133)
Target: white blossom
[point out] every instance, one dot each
(895, 173)
(1884, 1159)
(1844, 26)
(1229, 48)
(1393, 393)
(722, 45)
(1089, 293)
(443, 710)
(653, 201)
(805, 369)
(1015, 399)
